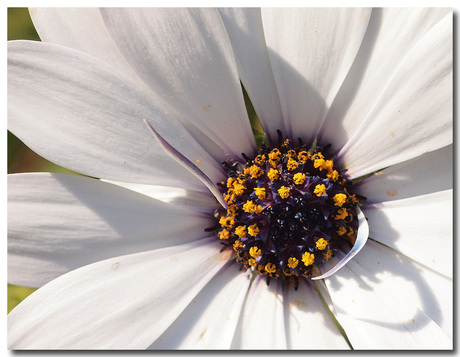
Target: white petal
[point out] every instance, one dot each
(209, 322)
(376, 317)
(185, 56)
(245, 30)
(425, 174)
(391, 34)
(78, 28)
(59, 222)
(412, 115)
(84, 115)
(308, 324)
(419, 227)
(119, 303)
(311, 51)
(428, 291)
(194, 200)
(261, 324)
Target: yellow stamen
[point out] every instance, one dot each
(260, 192)
(284, 191)
(292, 165)
(327, 254)
(274, 155)
(237, 245)
(224, 234)
(251, 207)
(255, 171)
(341, 231)
(317, 156)
(227, 222)
(270, 268)
(252, 262)
(319, 164)
(321, 244)
(333, 175)
(292, 262)
(232, 209)
(340, 199)
(299, 178)
(319, 190)
(260, 159)
(253, 230)
(240, 231)
(238, 189)
(255, 252)
(273, 174)
(328, 164)
(308, 259)
(341, 214)
(303, 156)
(230, 182)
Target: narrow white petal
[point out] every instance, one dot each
(391, 34)
(430, 292)
(261, 324)
(194, 200)
(119, 303)
(58, 222)
(419, 227)
(376, 317)
(79, 28)
(308, 324)
(80, 113)
(246, 33)
(185, 56)
(424, 174)
(209, 322)
(311, 51)
(412, 115)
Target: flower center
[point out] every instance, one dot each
(289, 210)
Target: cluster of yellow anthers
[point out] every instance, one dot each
(271, 182)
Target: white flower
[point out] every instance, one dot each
(119, 269)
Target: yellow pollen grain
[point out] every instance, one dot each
(321, 244)
(253, 230)
(299, 178)
(284, 191)
(252, 262)
(270, 268)
(333, 175)
(255, 171)
(254, 252)
(292, 262)
(273, 174)
(341, 214)
(340, 199)
(319, 190)
(238, 189)
(292, 165)
(251, 207)
(240, 231)
(303, 156)
(260, 192)
(341, 231)
(224, 234)
(197, 161)
(319, 164)
(308, 258)
(237, 245)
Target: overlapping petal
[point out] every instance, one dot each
(420, 227)
(93, 312)
(58, 222)
(428, 173)
(246, 33)
(412, 114)
(377, 317)
(184, 56)
(311, 51)
(82, 114)
(210, 320)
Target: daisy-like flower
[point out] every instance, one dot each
(145, 97)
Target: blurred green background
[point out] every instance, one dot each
(20, 157)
